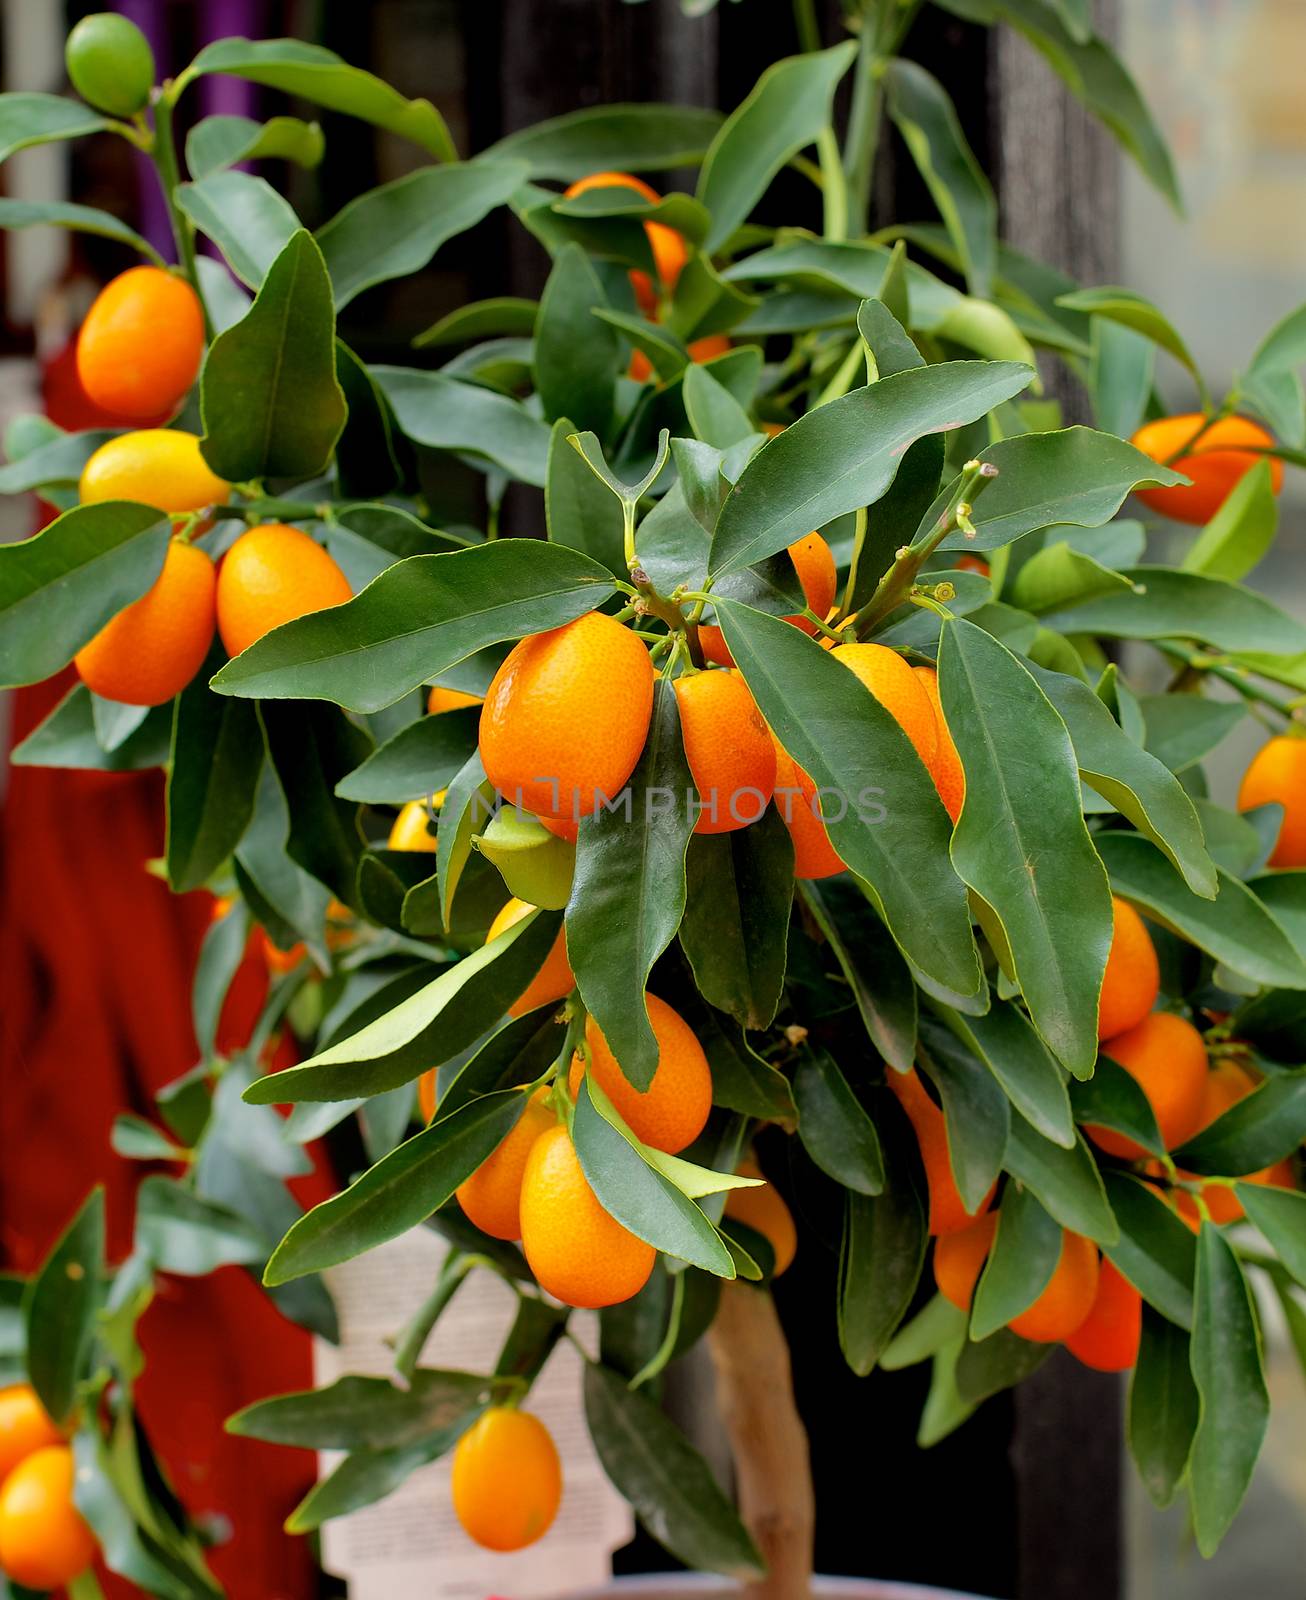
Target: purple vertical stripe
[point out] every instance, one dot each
(150, 16)
(225, 19)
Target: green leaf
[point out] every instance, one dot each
(1066, 1181)
(1241, 531)
(367, 653)
(1025, 1253)
(1131, 311)
(580, 512)
(67, 738)
(429, 1028)
(28, 119)
(1120, 376)
(880, 1258)
(1280, 1214)
(714, 414)
(419, 760)
(741, 1080)
(1058, 575)
(135, 1139)
(872, 964)
(668, 1483)
(311, 748)
(1255, 1132)
(519, 1052)
(181, 1232)
(844, 455)
(221, 954)
(628, 894)
(1013, 1052)
(467, 804)
(575, 351)
(638, 1193)
(308, 72)
(366, 539)
(927, 120)
(269, 397)
(999, 1362)
(400, 1191)
(213, 772)
(740, 887)
(1235, 1405)
(57, 459)
(60, 587)
(1074, 476)
(834, 1126)
(1183, 728)
(1156, 1250)
(215, 143)
(290, 904)
(624, 138)
(501, 315)
(60, 1307)
(788, 107)
(244, 216)
(393, 231)
(81, 219)
(366, 1413)
(1112, 1098)
(977, 1116)
(892, 832)
(1138, 785)
(1163, 1408)
(1022, 845)
(444, 414)
(933, 1327)
(1235, 927)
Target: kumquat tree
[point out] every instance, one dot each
(819, 790)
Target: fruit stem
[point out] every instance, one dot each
(755, 1395)
(895, 587)
(1236, 677)
(164, 155)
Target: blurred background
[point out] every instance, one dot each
(1036, 1503)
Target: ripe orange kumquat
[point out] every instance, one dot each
(1108, 1338)
(1226, 1085)
(959, 1259)
(140, 347)
(554, 980)
(44, 1541)
(1066, 1302)
(507, 1480)
(273, 574)
(441, 699)
(491, 1197)
(566, 717)
(728, 748)
(1166, 1057)
(24, 1426)
(669, 249)
(765, 1212)
(1278, 773)
(946, 768)
(1132, 980)
(799, 807)
(899, 691)
(153, 648)
(578, 1252)
(411, 829)
(813, 561)
(699, 350)
(160, 467)
(1219, 458)
(672, 1111)
(948, 1213)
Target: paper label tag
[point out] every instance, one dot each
(410, 1545)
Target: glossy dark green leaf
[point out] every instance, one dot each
(1021, 844)
(289, 902)
(60, 1308)
(639, 1195)
(502, 315)
(1132, 311)
(835, 1128)
(81, 219)
(58, 458)
(244, 216)
(517, 1053)
(845, 454)
(1066, 1181)
(663, 1477)
(370, 458)
(449, 1013)
(365, 654)
(1183, 728)
(880, 1261)
(1025, 1253)
(927, 120)
(400, 1191)
(788, 107)
(893, 832)
(1228, 1372)
(580, 512)
(358, 1412)
(67, 738)
(1235, 927)
(1163, 1407)
(269, 396)
(1255, 1132)
(976, 1112)
(394, 231)
(741, 1080)
(715, 415)
(312, 748)
(183, 1233)
(1156, 1250)
(735, 930)
(215, 143)
(871, 962)
(470, 420)
(1120, 376)
(628, 894)
(1274, 1023)
(309, 72)
(28, 119)
(1074, 476)
(999, 1362)
(575, 351)
(627, 138)
(1013, 1052)
(1280, 1214)
(366, 539)
(1112, 1098)
(419, 760)
(60, 587)
(213, 772)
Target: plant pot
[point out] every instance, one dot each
(699, 1586)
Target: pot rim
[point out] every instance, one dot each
(832, 1588)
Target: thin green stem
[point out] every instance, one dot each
(164, 153)
(860, 524)
(863, 139)
(1239, 678)
(834, 191)
(809, 31)
(848, 369)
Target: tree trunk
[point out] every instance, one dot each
(755, 1396)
